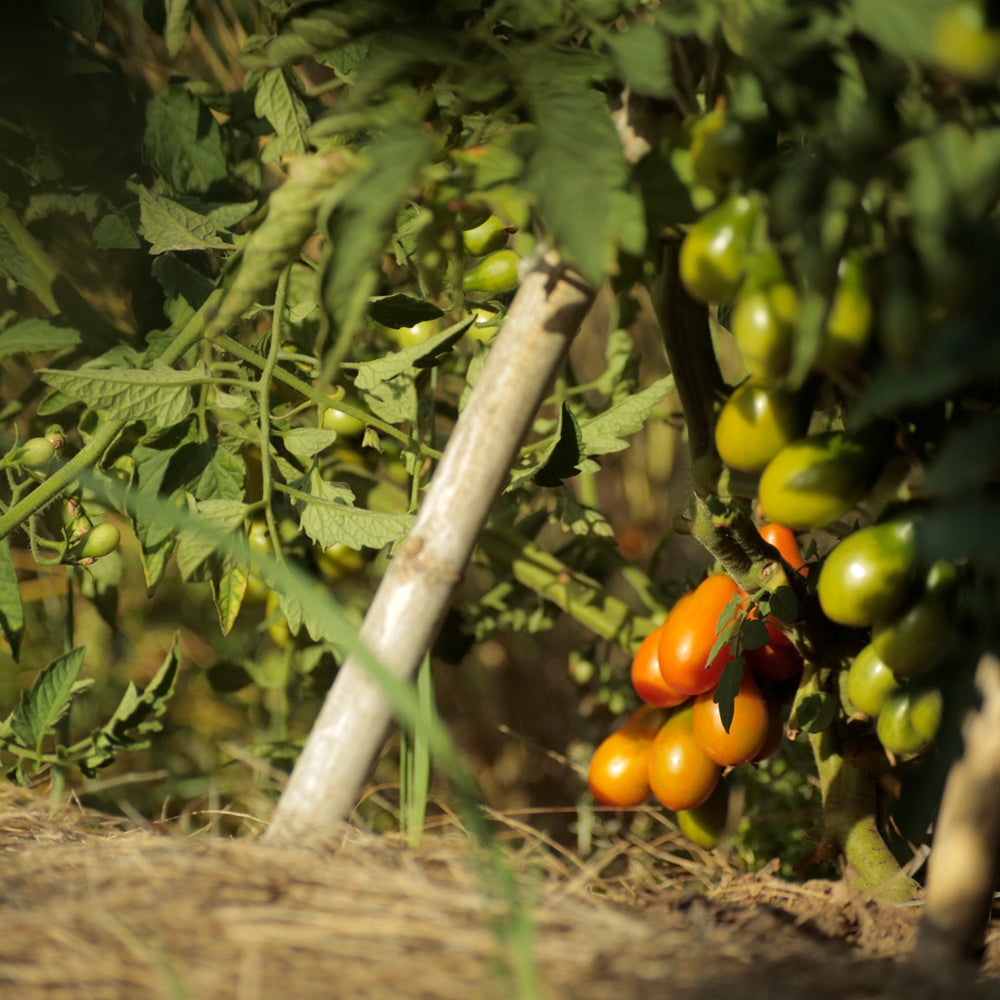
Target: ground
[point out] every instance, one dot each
(93, 908)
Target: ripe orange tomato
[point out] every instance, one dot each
(688, 634)
(646, 677)
(619, 770)
(681, 774)
(784, 540)
(747, 732)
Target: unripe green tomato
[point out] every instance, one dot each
(909, 721)
(849, 325)
(713, 255)
(865, 578)
(718, 150)
(35, 453)
(338, 560)
(101, 540)
(913, 641)
(704, 825)
(816, 480)
(755, 423)
(764, 324)
(964, 44)
(495, 273)
(485, 324)
(259, 537)
(343, 423)
(869, 682)
(407, 336)
(488, 236)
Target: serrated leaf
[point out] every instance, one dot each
(195, 546)
(308, 441)
(815, 712)
(32, 336)
(277, 100)
(11, 606)
(114, 232)
(754, 634)
(159, 395)
(399, 311)
(727, 689)
(725, 627)
(329, 517)
(229, 586)
(184, 142)
(562, 459)
(168, 225)
(48, 699)
(783, 605)
(642, 54)
(606, 432)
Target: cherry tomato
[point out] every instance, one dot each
(35, 453)
(747, 731)
(777, 661)
(490, 235)
(869, 682)
(407, 336)
(689, 633)
(909, 720)
(713, 254)
(849, 325)
(646, 677)
(866, 576)
(497, 272)
(912, 641)
(784, 540)
(718, 150)
(681, 775)
(338, 560)
(343, 423)
(619, 770)
(757, 422)
(816, 480)
(704, 825)
(764, 324)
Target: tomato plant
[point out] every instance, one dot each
(756, 423)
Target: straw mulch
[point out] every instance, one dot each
(93, 910)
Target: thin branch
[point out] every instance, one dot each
(415, 592)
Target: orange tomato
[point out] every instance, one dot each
(646, 677)
(747, 731)
(784, 540)
(688, 634)
(681, 774)
(619, 770)
(778, 662)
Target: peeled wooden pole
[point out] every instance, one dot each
(415, 592)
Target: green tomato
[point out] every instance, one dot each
(485, 324)
(909, 721)
(35, 453)
(964, 44)
(704, 825)
(913, 641)
(865, 578)
(869, 682)
(338, 560)
(93, 544)
(343, 423)
(816, 480)
(714, 253)
(407, 336)
(718, 150)
(488, 236)
(497, 272)
(764, 324)
(756, 422)
(849, 325)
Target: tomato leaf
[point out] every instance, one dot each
(815, 712)
(642, 54)
(605, 433)
(562, 459)
(398, 311)
(48, 699)
(753, 634)
(727, 689)
(783, 605)
(277, 100)
(11, 607)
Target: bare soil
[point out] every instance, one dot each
(92, 908)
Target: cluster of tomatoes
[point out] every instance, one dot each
(678, 744)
